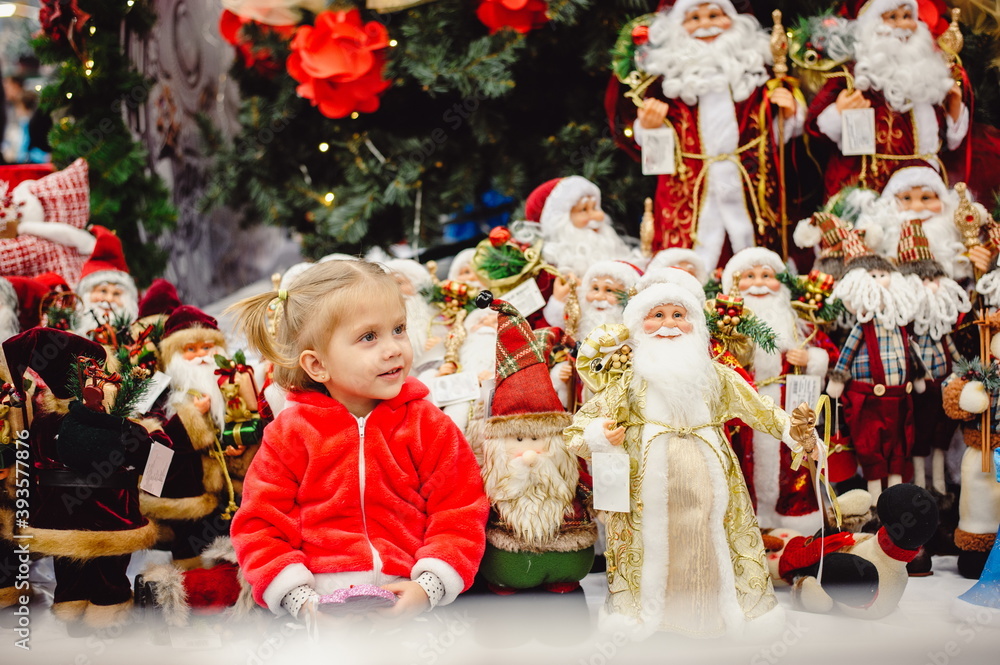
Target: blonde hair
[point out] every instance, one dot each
(315, 303)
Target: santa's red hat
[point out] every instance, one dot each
(160, 299)
(53, 281)
(186, 325)
(106, 265)
(555, 198)
(680, 8)
(28, 298)
(745, 259)
(524, 402)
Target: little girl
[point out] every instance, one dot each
(359, 480)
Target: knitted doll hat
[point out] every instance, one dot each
(825, 229)
(858, 255)
(913, 253)
(524, 402)
(160, 299)
(188, 324)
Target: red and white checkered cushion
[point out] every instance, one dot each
(65, 195)
(28, 256)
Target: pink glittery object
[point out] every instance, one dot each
(356, 599)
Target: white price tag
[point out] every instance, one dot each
(658, 147)
(858, 132)
(801, 388)
(454, 388)
(155, 473)
(157, 384)
(611, 481)
(525, 297)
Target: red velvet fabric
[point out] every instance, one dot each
(303, 503)
(881, 428)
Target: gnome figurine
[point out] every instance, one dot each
(540, 531)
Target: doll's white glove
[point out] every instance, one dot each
(919, 386)
(835, 389)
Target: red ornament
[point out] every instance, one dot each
(258, 59)
(519, 15)
(338, 63)
(499, 236)
(61, 18)
(640, 35)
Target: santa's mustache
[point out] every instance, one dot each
(201, 360)
(600, 304)
(759, 291)
(702, 33)
(922, 215)
(594, 225)
(665, 331)
(902, 34)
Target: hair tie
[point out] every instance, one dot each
(283, 295)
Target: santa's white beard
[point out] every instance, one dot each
(680, 377)
(196, 375)
(893, 306)
(691, 67)
(531, 499)
(569, 248)
(906, 72)
(938, 310)
(9, 324)
(591, 317)
(418, 320)
(776, 311)
(91, 315)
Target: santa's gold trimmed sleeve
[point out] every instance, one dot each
(740, 400)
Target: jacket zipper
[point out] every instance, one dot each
(376, 559)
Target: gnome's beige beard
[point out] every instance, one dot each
(531, 499)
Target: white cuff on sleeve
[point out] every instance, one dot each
(830, 122)
(290, 577)
(595, 438)
(818, 363)
(449, 577)
(955, 130)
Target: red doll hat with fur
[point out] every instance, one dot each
(188, 325)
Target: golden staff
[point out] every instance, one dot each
(968, 220)
(571, 330)
(779, 49)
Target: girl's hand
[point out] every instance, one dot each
(411, 600)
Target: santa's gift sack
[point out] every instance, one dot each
(91, 440)
(244, 433)
(843, 462)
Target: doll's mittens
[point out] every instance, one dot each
(974, 397)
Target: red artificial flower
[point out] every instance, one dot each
(338, 63)
(58, 18)
(520, 15)
(259, 59)
(499, 236)
(934, 13)
(640, 35)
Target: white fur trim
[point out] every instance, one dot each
(748, 258)
(617, 270)
(682, 7)
(979, 503)
(62, 234)
(449, 577)
(123, 279)
(561, 387)
(290, 577)
(565, 195)
(973, 397)
(830, 122)
(873, 9)
(660, 294)
(819, 362)
(412, 270)
(461, 260)
(956, 130)
(555, 312)
(670, 257)
(989, 286)
(31, 205)
(674, 276)
(909, 177)
(169, 594)
(806, 233)
(596, 439)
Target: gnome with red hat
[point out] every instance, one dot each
(86, 462)
(898, 71)
(712, 67)
(195, 417)
(878, 367)
(107, 292)
(540, 531)
(20, 300)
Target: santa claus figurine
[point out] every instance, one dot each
(687, 555)
(917, 192)
(540, 532)
(107, 292)
(712, 65)
(878, 365)
(680, 257)
(899, 73)
(575, 230)
(784, 498)
(194, 419)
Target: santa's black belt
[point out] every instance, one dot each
(67, 478)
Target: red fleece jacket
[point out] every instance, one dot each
(302, 497)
